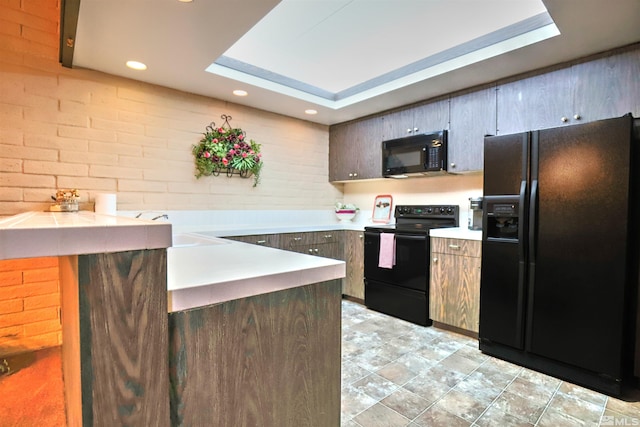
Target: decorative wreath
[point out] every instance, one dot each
(225, 149)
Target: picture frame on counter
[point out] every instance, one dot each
(382, 207)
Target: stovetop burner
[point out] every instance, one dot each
(421, 218)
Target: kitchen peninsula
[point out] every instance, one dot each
(270, 354)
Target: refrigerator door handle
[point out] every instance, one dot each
(533, 203)
(522, 211)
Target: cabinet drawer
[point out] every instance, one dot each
(291, 240)
(460, 247)
(269, 240)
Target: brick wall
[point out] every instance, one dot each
(77, 128)
(29, 305)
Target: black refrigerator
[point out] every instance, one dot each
(560, 240)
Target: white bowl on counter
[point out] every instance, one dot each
(346, 215)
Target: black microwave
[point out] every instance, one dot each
(415, 155)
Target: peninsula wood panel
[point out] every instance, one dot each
(354, 257)
(266, 360)
(124, 341)
(454, 297)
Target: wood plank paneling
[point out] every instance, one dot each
(124, 338)
(454, 296)
(266, 360)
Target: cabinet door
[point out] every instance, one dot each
(368, 149)
(473, 116)
(341, 162)
(269, 240)
(353, 283)
(607, 87)
(454, 296)
(355, 150)
(535, 103)
(433, 116)
(397, 124)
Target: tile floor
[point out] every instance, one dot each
(395, 373)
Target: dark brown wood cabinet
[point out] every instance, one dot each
(605, 87)
(535, 103)
(268, 240)
(327, 244)
(472, 116)
(355, 151)
(433, 116)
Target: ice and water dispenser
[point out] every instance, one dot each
(502, 217)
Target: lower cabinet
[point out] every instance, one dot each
(454, 297)
(353, 283)
(268, 240)
(347, 245)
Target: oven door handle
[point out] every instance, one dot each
(399, 236)
(411, 237)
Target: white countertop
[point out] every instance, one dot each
(227, 270)
(36, 234)
(457, 233)
(208, 272)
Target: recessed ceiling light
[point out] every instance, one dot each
(135, 65)
(240, 92)
(185, 1)
(310, 111)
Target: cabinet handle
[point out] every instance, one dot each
(360, 236)
(435, 260)
(328, 236)
(564, 120)
(453, 165)
(577, 116)
(415, 130)
(315, 250)
(261, 242)
(409, 130)
(297, 239)
(355, 174)
(454, 246)
(310, 251)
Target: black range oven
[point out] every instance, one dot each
(400, 287)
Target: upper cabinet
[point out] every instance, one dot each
(603, 88)
(607, 87)
(415, 120)
(537, 102)
(355, 150)
(473, 116)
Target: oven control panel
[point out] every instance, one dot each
(427, 211)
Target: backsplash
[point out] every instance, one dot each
(446, 189)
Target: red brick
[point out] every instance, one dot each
(40, 275)
(52, 339)
(41, 328)
(29, 290)
(28, 263)
(11, 306)
(41, 301)
(10, 278)
(30, 316)
(12, 335)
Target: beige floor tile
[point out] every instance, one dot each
(437, 417)
(406, 403)
(381, 416)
